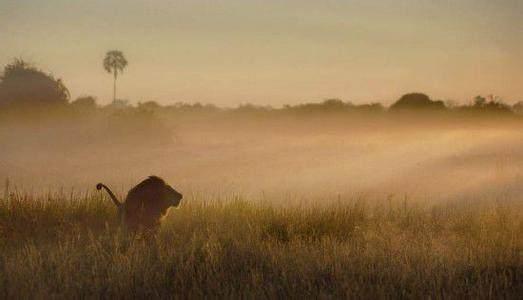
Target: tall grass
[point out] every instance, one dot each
(70, 247)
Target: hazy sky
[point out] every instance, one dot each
(273, 52)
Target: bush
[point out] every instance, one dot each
(24, 85)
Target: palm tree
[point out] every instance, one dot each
(114, 62)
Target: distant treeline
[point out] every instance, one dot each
(25, 87)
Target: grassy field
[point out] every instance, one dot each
(69, 246)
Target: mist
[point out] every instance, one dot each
(323, 157)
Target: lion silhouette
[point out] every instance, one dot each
(145, 204)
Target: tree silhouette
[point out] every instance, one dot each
(84, 103)
(114, 62)
(22, 84)
(490, 104)
(417, 101)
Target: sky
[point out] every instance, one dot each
(229, 52)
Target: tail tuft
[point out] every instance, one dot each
(113, 197)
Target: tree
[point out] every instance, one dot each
(417, 101)
(335, 105)
(22, 84)
(490, 104)
(114, 62)
(480, 102)
(149, 105)
(518, 107)
(84, 103)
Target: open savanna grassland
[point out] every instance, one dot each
(69, 246)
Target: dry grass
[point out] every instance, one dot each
(70, 247)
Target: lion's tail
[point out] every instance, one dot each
(113, 197)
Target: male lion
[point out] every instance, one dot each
(145, 204)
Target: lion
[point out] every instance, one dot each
(145, 204)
